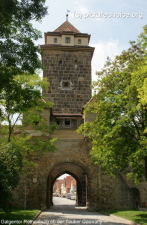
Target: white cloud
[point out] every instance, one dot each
(81, 9)
(103, 50)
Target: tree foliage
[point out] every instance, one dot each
(18, 53)
(21, 108)
(20, 92)
(11, 164)
(119, 132)
(16, 15)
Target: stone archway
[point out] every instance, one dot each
(75, 171)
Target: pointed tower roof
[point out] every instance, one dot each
(67, 26)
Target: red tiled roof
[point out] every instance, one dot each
(66, 26)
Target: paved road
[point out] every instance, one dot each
(65, 212)
(63, 201)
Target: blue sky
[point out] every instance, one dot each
(111, 23)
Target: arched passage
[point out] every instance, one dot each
(75, 171)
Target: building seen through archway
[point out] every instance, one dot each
(65, 186)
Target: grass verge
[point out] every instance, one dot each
(17, 216)
(136, 216)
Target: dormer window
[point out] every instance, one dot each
(67, 40)
(79, 41)
(55, 40)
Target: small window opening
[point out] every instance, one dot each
(55, 40)
(67, 122)
(66, 84)
(36, 122)
(76, 66)
(58, 122)
(79, 41)
(67, 40)
(60, 62)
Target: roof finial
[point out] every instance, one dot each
(67, 15)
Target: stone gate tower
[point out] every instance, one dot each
(66, 58)
(67, 65)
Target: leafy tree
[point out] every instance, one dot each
(11, 164)
(119, 132)
(16, 15)
(20, 90)
(18, 53)
(21, 102)
(18, 11)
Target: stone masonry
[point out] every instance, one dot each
(95, 189)
(68, 100)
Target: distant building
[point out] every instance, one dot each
(65, 186)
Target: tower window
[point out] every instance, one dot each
(79, 41)
(67, 40)
(67, 123)
(58, 122)
(55, 40)
(60, 62)
(76, 66)
(36, 122)
(66, 84)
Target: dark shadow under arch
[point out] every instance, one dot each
(136, 195)
(77, 173)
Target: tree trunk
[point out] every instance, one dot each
(145, 167)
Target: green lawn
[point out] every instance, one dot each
(133, 215)
(17, 216)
